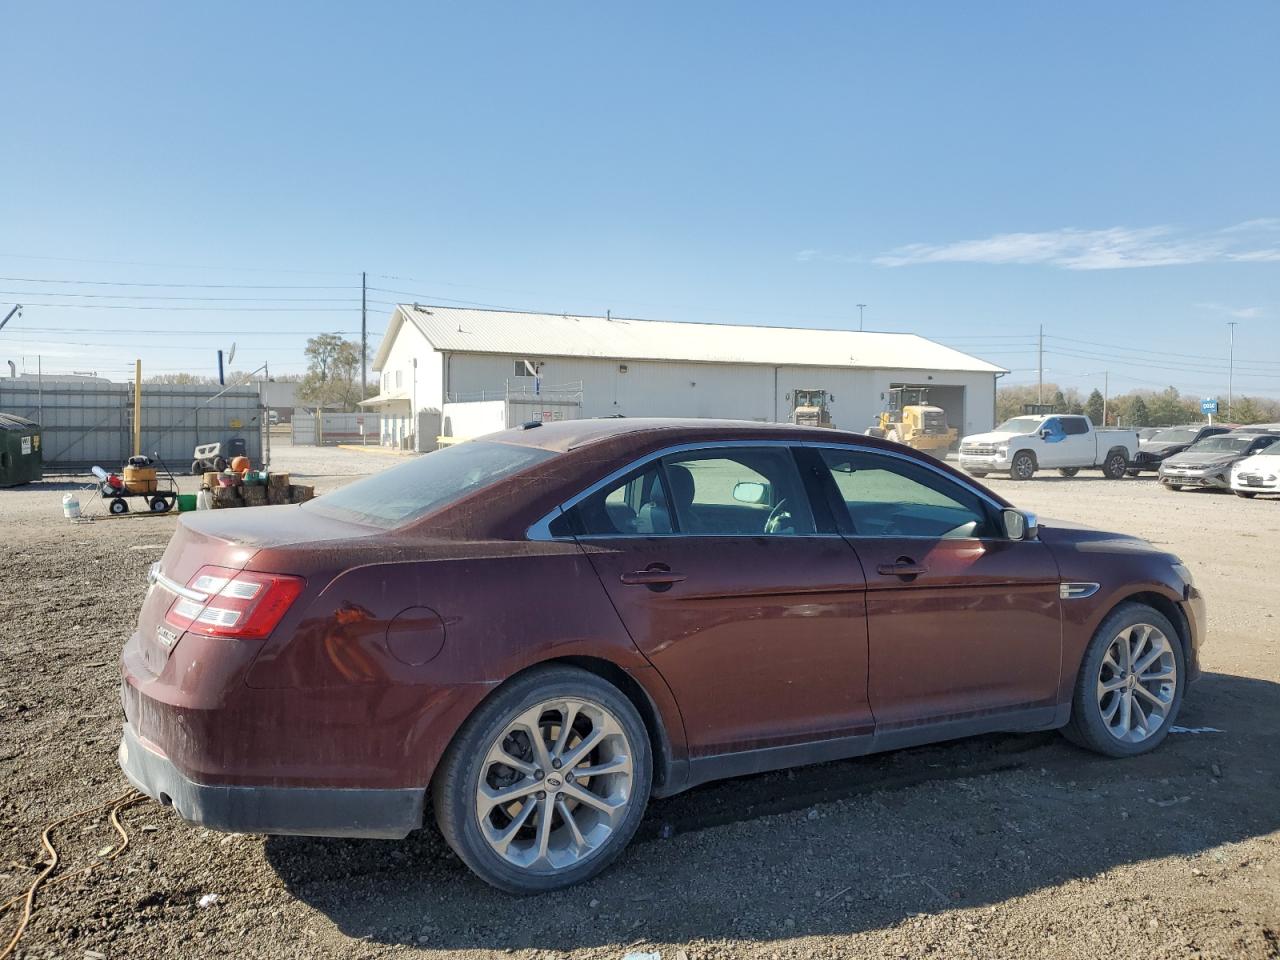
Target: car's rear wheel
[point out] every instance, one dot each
(1068, 471)
(546, 782)
(1023, 466)
(1247, 494)
(977, 473)
(1130, 683)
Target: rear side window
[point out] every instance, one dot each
(404, 493)
(635, 507)
(1074, 426)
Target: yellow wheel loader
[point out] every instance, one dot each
(809, 408)
(910, 419)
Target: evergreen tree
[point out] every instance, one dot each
(1093, 407)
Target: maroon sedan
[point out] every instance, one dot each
(533, 633)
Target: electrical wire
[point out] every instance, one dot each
(28, 899)
(149, 296)
(189, 286)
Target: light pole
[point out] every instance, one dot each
(17, 308)
(861, 307)
(1231, 366)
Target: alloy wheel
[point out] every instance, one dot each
(555, 785)
(1137, 681)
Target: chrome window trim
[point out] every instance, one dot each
(540, 530)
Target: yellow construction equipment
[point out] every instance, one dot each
(910, 419)
(809, 408)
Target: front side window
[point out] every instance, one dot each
(887, 497)
(1074, 426)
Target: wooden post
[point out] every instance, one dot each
(137, 408)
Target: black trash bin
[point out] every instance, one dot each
(20, 460)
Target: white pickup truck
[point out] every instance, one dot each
(1065, 442)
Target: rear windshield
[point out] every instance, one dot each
(1224, 442)
(1177, 435)
(414, 489)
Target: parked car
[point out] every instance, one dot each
(1167, 441)
(1257, 474)
(1209, 462)
(531, 634)
(1070, 443)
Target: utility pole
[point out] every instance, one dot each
(1040, 367)
(364, 335)
(1106, 394)
(861, 307)
(1231, 367)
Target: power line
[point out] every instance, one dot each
(149, 296)
(190, 286)
(142, 306)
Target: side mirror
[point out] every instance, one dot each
(1044, 434)
(1019, 525)
(748, 491)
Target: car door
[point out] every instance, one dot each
(755, 619)
(1079, 447)
(962, 622)
(1052, 446)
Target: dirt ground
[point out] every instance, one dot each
(1012, 846)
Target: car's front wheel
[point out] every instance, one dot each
(1130, 683)
(1247, 494)
(546, 782)
(1023, 466)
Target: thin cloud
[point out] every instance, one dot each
(1240, 313)
(1113, 248)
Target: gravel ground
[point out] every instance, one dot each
(1001, 846)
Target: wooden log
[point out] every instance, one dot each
(277, 495)
(210, 479)
(254, 496)
(278, 480)
(300, 493)
(226, 497)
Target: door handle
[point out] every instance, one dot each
(903, 567)
(655, 578)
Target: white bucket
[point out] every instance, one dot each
(204, 500)
(70, 506)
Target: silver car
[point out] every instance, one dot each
(1208, 463)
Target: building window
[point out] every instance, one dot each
(399, 379)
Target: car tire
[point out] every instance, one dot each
(160, 505)
(1068, 471)
(977, 473)
(1247, 494)
(119, 505)
(1023, 466)
(470, 776)
(1172, 487)
(1110, 715)
(1115, 466)
(1133, 473)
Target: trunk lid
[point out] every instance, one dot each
(222, 538)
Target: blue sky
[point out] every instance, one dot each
(967, 171)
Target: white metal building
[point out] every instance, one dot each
(433, 358)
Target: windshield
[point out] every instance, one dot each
(414, 489)
(1176, 435)
(1223, 444)
(1020, 425)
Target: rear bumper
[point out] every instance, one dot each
(311, 811)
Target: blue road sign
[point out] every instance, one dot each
(1209, 405)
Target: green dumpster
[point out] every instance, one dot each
(19, 451)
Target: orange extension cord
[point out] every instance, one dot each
(28, 899)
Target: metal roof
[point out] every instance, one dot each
(534, 335)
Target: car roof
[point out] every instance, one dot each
(565, 435)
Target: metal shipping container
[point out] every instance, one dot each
(19, 451)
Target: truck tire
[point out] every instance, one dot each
(1068, 471)
(1023, 465)
(1116, 465)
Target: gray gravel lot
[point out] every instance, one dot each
(996, 847)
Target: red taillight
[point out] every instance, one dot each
(234, 603)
